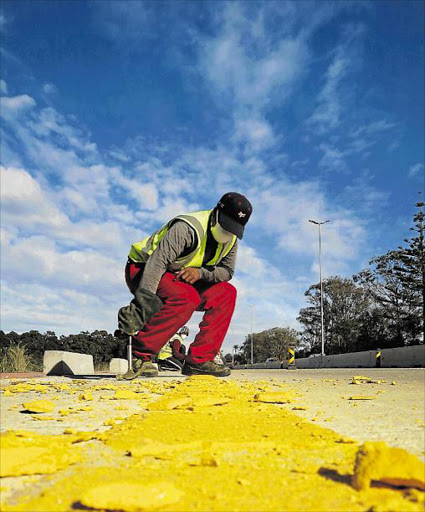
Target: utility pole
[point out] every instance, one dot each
(321, 284)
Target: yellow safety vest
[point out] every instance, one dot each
(165, 352)
(140, 251)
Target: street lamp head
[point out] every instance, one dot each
(318, 223)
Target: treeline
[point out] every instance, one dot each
(100, 344)
(382, 306)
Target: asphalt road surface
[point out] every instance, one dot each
(395, 414)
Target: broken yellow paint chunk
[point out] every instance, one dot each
(393, 466)
(208, 459)
(195, 379)
(39, 406)
(33, 460)
(85, 408)
(274, 397)
(125, 394)
(358, 379)
(148, 447)
(168, 404)
(209, 401)
(86, 396)
(62, 387)
(131, 497)
(70, 431)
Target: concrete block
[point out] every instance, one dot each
(404, 357)
(118, 365)
(60, 362)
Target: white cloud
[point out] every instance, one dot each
(333, 159)
(124, 22)
(244, 61)
(285, 212)
(29, 209)
(3, 87)
(145, 194)
(416, 170)
(3, 21)
(39, 259)
(332, 102)
(372, 128)
(300, 164)
(49, 88)
(62, 310)
(119, 155)
(25, 205)
(257, 133)
(361, 195)
(275, 299)
(13, 106)
(50, 122)
(327, 115)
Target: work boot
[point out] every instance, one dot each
(140, 368)
(207, 368)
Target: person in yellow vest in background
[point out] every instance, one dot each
(184, 267)
(173, 353)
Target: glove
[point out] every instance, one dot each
(142, 308)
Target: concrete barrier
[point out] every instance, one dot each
(60, 362)
(407, 357)
(118, 365)
(400, 357)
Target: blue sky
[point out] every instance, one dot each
(116, 116)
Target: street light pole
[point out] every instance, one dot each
(252, 340)
(321, 284)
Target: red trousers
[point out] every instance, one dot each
(180, 301)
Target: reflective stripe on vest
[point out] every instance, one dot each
(140, 251)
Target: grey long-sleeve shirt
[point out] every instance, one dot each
(181, 238)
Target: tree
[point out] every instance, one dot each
(345, 306)
(389, 302)
(35, 345)
(228, 358)
(411, 273)
(271, 343)
(395, 283)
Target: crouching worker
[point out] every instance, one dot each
(184, 267)
(173, 353)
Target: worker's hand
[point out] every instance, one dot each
(189, 275)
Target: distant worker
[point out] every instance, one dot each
(184, 267)
(172, 354)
